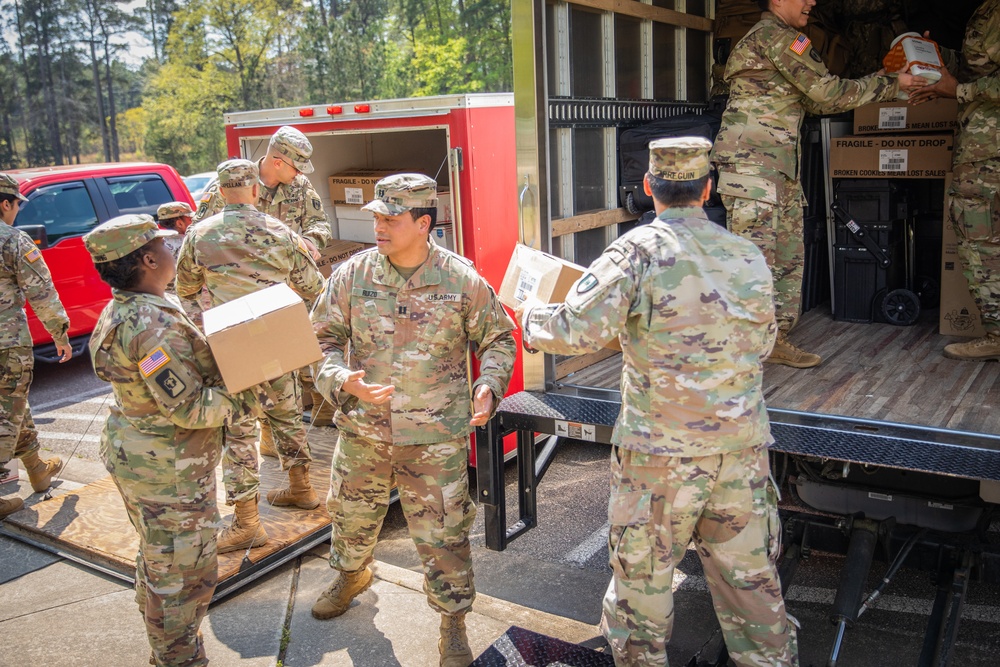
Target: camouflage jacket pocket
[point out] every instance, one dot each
(757, 188)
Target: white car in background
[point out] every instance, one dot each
(198, 183)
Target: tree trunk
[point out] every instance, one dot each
(99, 94)
(112, 117)
(48, 90)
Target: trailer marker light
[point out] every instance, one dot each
(333, 111)
(305, 112)
(362, 108)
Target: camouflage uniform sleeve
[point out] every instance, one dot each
(304, 277)
(315, 224)
(165, 360)
(35, 282)
(984, 58)
(331, 319)
(489, 326)
(189, 281)
(596, 308)
(211, 203)
(826, 92)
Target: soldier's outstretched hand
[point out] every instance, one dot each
(482, 405)
(946, 86)
(65, 352)
(369, 393)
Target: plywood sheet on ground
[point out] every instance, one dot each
(870, 371)
(91, 525)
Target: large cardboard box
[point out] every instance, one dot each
(261, 336)
(533, 273)
(959, 313)
(336, 253)
(913, 156)
(356, 187)
(353, 224)
(938, 115)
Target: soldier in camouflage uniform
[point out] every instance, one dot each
(163, 437)
(395, 324)
(692, 307)
(232, 254)
(775, 77)
(288, 196)
(23, 276)
(973, 77)
(178, 216)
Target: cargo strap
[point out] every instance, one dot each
(861, 235)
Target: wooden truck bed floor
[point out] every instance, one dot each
(869, 371)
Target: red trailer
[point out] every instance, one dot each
(466, 142)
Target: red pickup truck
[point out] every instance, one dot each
(66, 202)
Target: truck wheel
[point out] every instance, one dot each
(901, 307)
(630, 204)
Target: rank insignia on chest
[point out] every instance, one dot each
(170, 383)
(800, 44)
(153, 362)
(33, 255)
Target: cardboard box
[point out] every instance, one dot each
(938, 115)
(356, 187)
(533, 273)
(353, 224)
(336, 253)
(959, 314)
(914, 156)
(261, 336)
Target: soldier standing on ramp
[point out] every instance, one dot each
(692, 306)
(974, 198)
(408, 312)
(163, 438)
(23, 276)
(775, 77)
(232, 254)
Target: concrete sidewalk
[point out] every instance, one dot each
(56, 612)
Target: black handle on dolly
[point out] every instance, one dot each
(884, 261)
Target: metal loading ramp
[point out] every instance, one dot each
(89, 525)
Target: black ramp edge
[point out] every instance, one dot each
(523, 648)
(559, 406)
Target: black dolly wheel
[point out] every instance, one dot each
(901, 307)
(630, 204)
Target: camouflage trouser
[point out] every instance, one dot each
(765, 206)
(175, 573)
(433, 484)
(239, 458)
(727, 504)
(975, 215)
(18, 436)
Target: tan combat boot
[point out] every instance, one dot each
(9, 506)
(266, 442)
(454, 644)
(979, 349)
(788, 355)
(337, 598)
(322, 411)
(245, 531)
(40, 471)
(298, 493)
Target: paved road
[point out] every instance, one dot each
(561, 566)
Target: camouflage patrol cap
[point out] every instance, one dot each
(399, 193)
(119, 236)
(679, 158)
(173, 209)
(238, 173)
(293, 144)
(8, 186)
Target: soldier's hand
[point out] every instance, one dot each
(909, 82)
(312, 249)
(376, 394)
(65, 352)
(482, 405)
(947, 86)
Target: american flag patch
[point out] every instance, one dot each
(153, 361)
(32, 255)
(800, 44)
